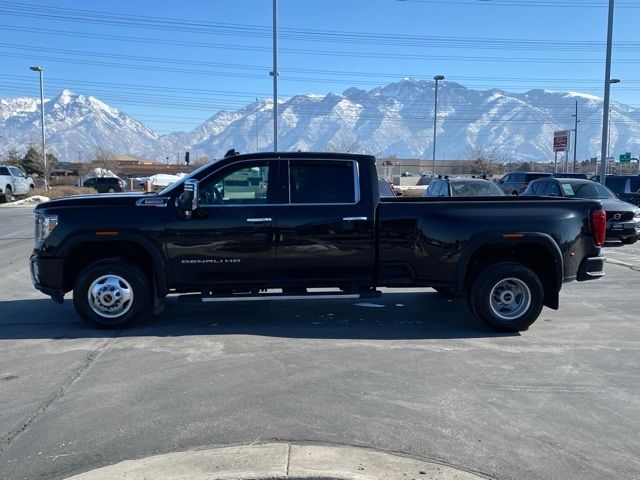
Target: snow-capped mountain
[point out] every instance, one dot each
(393, 120)
(74, 123)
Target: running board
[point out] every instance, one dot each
(249, 297)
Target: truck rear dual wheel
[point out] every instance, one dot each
(507, 296)
(112, 293)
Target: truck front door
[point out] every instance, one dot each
(229, 241)
(325, 224)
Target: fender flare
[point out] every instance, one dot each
(159, 265)
(528, 238)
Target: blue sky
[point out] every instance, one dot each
(174, 64)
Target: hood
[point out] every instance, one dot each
(615, 205)
(96, 200)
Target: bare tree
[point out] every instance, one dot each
(486, 160)
(13, 157)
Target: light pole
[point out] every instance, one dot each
(44, 153)
(275, 75)
(607, 87)
(575, 137)
(613, 80)
(257, 112)
(437, 78)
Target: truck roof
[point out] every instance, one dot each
(303, 156)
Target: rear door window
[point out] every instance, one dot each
(616, 184)
(553, 190)
(318, 182)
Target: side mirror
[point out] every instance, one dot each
(188, 200)
(399, 193)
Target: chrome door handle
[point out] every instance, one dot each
(258, 220)
(355, 219)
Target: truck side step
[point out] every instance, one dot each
(262, 296)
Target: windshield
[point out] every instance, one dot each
(475, 189)
(586, 190)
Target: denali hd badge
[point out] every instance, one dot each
(213, 261)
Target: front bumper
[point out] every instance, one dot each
(591, 268)
(623, 229)
(47, 276)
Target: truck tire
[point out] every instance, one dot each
(507, 296)
(112, 293)
(8, 195)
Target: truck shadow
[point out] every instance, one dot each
(395, 316)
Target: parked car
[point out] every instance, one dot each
(407, 174)
(623, 219)
(626, 187)
(570, 175)
(463, 187)
(105, 184)
(13, 181)
(515, 183)
(386, 189)
(318, 223)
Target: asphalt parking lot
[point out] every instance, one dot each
(410, 373)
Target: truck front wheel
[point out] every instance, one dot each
(507, 296)
(112, 293)
(8, 195)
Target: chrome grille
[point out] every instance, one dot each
(624, 216)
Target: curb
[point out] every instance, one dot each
(277, 461)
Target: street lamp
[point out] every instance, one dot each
(437, 78)
(605, 110)
(44, 153)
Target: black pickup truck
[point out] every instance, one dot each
(306, 226)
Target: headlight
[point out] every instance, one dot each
(44, 225)
(636, 214)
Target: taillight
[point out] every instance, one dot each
(599, 226)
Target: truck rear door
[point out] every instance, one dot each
(326, 224)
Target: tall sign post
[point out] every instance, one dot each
(561, 144)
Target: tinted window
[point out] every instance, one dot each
(16, 172)
(518, 177)
(4, 171)
(475, 189)
(321, 182)
(507, 177)
(552, 189)
(107, 180)
(591, 190)
(384, 188)
(634, 186)
(537, 188)
(533, 176)
(616, 184)
(434, 186)
(242, 184)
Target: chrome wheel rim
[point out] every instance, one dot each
(510, 298)
(110, 296)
